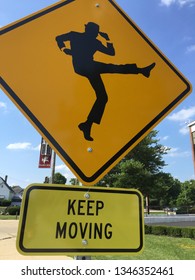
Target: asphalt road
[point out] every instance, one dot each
(177, 224)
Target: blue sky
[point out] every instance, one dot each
(170, 24)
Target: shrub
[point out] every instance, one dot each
(186, 210)
(158, 230)
(148, 229)
(182, 210)
(5, 202)
(174, 231)
(13, 210)
(193, 233)
(188, 232)
(170, 231)
(192, 210)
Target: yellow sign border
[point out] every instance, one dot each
(71, 190)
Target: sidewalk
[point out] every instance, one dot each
(8, 232)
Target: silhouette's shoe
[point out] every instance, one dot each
(146, 70)
(85, 128)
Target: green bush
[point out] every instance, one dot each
(170, 231)
(148, 229)
(174, 231)
(13, 210)
(5, 202)
(192, 210)
(188, 232)
(193, 233)
(186, 210)
(182, 210)
(158, 230)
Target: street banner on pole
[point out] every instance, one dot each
(45, 155)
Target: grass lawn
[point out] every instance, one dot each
(159, 248)
(8, 217)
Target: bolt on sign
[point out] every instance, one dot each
(100, 83)
(57, 219)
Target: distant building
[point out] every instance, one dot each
(17, 198)
(10, 193)
(18, 190)
(6, 192)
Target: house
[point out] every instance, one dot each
(6, 192)
(18, 190)
(17, 198)
(10, 193)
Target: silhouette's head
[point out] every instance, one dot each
(92, 29)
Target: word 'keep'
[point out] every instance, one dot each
(84, 207)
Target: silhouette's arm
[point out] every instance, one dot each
(60, 42)
(104, 35)
(109, 48)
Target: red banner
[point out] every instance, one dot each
(45, 155)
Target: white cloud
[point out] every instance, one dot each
(183, 115)
(184, 130)
(3, 105)
(60, 167)
(164, 138)
(37, 148)
(65, 171)
(19, 146)
(181, 3)
(190, 49)
(175, 152)
(167, 2)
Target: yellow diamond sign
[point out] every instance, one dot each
(58, 219)
(89, 80)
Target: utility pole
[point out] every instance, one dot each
(53, 167)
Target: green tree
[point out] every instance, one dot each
(59, 179)
(131, 174)
(167, 189)
(142, 168)
(186, 197)
(137, 168)
(74, 181)
(150, 153)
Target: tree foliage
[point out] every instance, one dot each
(187, 194)
(139, 167)
(149, 152)
(59, 179)
(142, 169)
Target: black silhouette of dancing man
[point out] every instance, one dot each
(83, 46)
